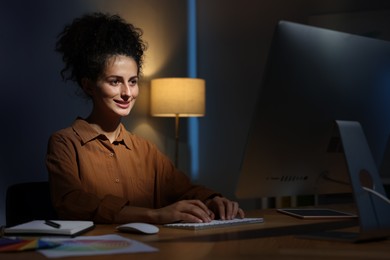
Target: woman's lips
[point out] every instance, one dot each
(122, 104)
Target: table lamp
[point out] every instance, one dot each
(177, 97)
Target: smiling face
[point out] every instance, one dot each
(116, 90)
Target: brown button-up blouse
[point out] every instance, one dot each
(92, 178)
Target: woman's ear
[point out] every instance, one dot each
(87, 86)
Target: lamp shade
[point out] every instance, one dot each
(183, 97)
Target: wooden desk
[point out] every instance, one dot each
(274, 239)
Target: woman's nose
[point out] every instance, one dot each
(126, 90)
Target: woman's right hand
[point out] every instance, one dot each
(192, 211)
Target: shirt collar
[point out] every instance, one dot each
(124, 137)
(87, 133)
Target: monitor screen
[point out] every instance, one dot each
(313, 77)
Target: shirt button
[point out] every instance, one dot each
(111, 154)
(117, 180)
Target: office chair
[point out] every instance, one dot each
(28, 201)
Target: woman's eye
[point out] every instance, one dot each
(133, 82)
(114, 82)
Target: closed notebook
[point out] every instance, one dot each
(40, 227)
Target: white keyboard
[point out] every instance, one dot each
(216, 223)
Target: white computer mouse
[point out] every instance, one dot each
(137, 227)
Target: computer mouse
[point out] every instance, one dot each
(137, 227)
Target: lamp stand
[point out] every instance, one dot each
(177, 140)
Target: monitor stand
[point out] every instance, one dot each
(372, 204)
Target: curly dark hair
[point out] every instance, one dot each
(91, 40)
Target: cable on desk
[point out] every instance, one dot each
(377, 194)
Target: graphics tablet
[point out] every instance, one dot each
(315, 213)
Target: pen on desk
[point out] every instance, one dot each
(52, 224)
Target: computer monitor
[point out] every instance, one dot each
(313, 77)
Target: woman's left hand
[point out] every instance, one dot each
(224, 208)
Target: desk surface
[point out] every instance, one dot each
(274, 239)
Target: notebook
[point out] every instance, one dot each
(56, 227)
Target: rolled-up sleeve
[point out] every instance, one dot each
(175, 185)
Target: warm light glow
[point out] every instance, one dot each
(184, 97)
(163, 35)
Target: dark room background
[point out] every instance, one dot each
(233, 38)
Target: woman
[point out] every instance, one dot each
(97, 169)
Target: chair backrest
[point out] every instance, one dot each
(28, 201)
